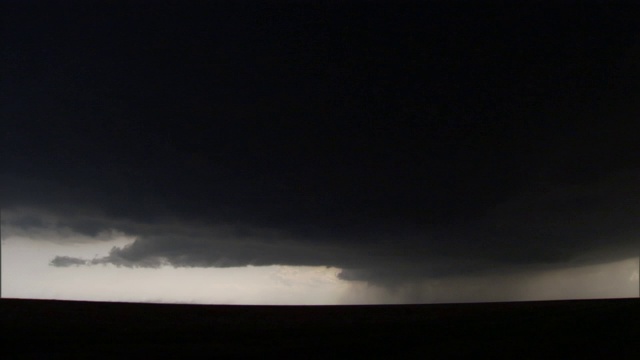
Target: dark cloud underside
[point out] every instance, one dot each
(391, 140)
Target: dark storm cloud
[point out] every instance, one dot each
(590, 215)
(568, 226)
(406, 141)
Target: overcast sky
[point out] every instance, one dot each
(319, 152)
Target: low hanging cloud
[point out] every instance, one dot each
(562, 227)
(605, 280)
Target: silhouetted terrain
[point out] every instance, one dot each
(600, 328)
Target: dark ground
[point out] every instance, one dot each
(568, 329)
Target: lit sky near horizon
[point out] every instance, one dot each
(27, 274)
(326, 153)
